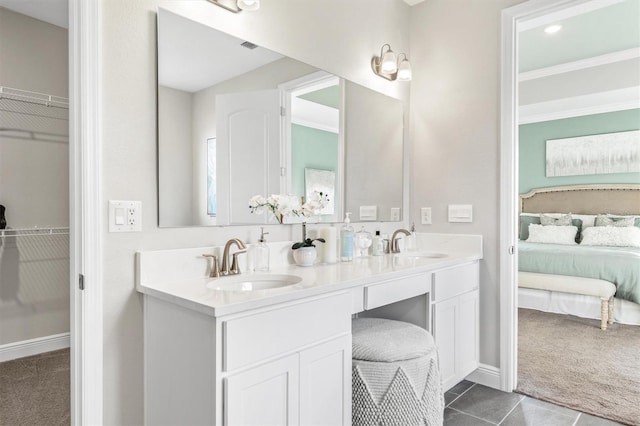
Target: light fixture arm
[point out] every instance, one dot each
(376, 64)
(382, 52)
(235, 6)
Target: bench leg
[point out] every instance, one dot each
(604, 313)
(611, 310)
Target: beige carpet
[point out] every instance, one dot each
(35, 390)
(571, 362)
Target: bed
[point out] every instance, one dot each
(578, 278)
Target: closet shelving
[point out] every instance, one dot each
(33, 232)
(33, 116)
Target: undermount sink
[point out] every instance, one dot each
(253, 282)
(421, 255)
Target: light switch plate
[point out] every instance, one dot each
(460, 213)
(368, 213)
(425, 215)
(125, 216)
(395, 214)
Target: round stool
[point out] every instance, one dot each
(395, 375)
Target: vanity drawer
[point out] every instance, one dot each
(252, 338)
(454, 281)
(386, 292)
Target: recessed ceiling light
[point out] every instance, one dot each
(552, 29)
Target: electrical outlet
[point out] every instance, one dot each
(425, 215)
(125, 216)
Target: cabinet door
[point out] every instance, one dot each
(456, 336)
(445, 326)
(264, 395)
(325, 383)
(467, 333)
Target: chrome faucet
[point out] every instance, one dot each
(235, 269)
(394, 240)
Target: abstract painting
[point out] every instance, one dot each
(594, 154)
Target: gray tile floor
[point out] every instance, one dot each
(471, 404)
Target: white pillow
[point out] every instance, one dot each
(602, 220)
(616, 236)
(587, 219)
(552, 234)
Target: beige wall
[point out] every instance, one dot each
(175, 122)
(33, 54)
(455, 134)
(335, 35)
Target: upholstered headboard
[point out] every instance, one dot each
(623, 199)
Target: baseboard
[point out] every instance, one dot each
(34, 346)
(486, 375)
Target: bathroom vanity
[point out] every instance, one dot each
(217, 354)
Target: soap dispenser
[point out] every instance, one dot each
(377, 246)
(410, 244)
(261, 254)
(346, 239)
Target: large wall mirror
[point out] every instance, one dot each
(237, 120)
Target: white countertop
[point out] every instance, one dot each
(178, 276)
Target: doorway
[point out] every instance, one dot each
(34, 234)
(85, 292)
(516, 22)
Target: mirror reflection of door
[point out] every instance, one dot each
(248, 152)
(313, 139)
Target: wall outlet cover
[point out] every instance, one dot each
(125, 216)
(425, 215)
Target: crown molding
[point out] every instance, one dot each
(596, 103)
(595, 61)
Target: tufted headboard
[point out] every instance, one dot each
(622, 199)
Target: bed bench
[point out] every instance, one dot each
(575, 285)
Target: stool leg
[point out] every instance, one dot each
(604, 313)
(611, 310)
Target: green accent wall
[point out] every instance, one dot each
(329, 96)
(533, 137)
(314, 149)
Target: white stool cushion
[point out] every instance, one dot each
(382, 340)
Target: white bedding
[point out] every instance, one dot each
(624, 312)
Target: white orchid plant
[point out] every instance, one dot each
(290, 205)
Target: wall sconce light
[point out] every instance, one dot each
(237, 6)
(388, 66)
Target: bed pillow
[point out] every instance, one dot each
(617, 236)
(525, 221)
(602, 220)
(553, 234)
(564, 220)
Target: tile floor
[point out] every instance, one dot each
(471, 404)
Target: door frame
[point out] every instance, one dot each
(524, 15)
(85, 218)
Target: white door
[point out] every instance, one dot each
(264, 395)
(325, 383)
(248, 152)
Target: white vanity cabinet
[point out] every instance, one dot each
(455, 321)
(287, 364)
